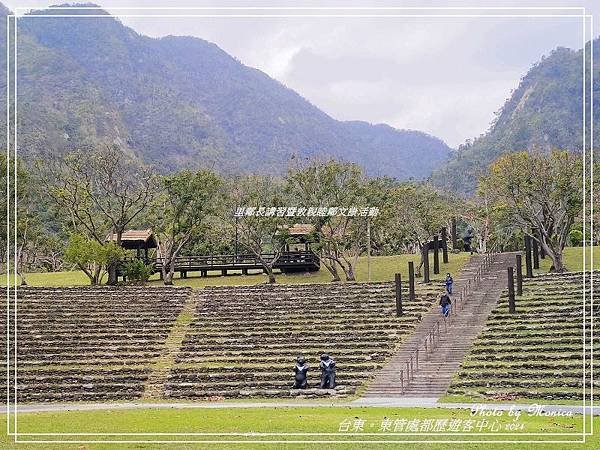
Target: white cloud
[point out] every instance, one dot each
(442, 76)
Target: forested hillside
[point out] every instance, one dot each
(544, 112)
(182, 102)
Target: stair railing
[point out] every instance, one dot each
(433, 336)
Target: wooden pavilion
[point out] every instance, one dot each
(139, 240)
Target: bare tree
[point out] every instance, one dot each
(100, 191)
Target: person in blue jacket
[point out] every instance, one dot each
(449, 282)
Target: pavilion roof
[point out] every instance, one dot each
(134, 239)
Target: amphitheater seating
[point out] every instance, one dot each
(103, 343)
(94, 343)
(536, 353)
(244, 340)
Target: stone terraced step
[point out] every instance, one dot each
(536, 353)
(356, 323)
(85, 331)
(437, 367)
(259, 393)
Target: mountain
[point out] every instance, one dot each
(543, 113)
(178, 102)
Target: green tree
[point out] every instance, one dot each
(339, 185)
(263, 234)
(136, 271)
(91, 256)
(541, 191)
(185, 203)
(418, 211)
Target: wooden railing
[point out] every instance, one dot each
(286, 259)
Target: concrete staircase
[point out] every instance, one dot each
(457, 333)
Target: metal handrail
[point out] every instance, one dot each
(433, 336)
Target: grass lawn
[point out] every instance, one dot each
(526, 401)
(573, 259)
(382, 269)
(285, 420)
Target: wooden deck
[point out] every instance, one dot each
(287, 262)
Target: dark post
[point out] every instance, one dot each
(511, 291)
(426, 263)
(445, 245)
(453, 233)
(528, 264)
(519, 275)
(536, 254)
(411, 281)
(542, 252)
(236, 237)
(436, 255)
(398, 295)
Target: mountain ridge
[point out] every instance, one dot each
(543, 112)
(180, 101)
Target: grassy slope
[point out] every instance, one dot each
(274, 420)
(382, 269)
(573, 259)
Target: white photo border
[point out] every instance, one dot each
(13, 214)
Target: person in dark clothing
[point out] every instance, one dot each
(449, 282)
(445, 303)
(467, 240)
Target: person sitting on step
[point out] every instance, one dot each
(445, 304)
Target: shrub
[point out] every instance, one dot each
(576, 238)
(136, 271)
(460, 245)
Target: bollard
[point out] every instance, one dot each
(453, 233)
(445, 245)
(511, 291)
(519, 275)
(436, 255)
(398, 279)
(536, 253)
(528, 262)
(411, 281)
(426, 278)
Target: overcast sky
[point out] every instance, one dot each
(444, 76)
